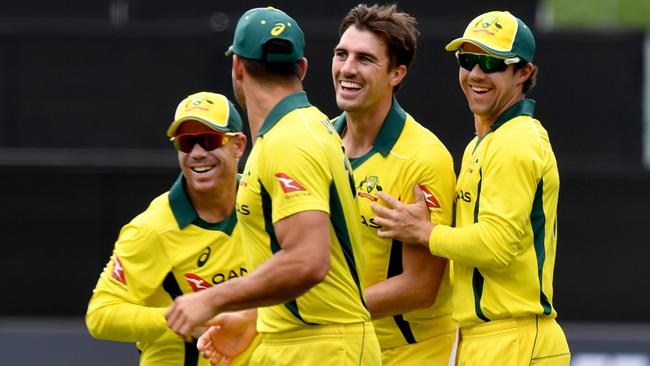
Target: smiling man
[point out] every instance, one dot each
(186, 241)
(504, 243)
(408, 290)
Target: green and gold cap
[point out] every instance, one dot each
(211, 109)
(259, 25)
(499, 33)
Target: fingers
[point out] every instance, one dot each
(216, 358)
(176, 320)
(392, 202)
(419, 195)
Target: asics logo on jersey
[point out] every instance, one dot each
(432, 201)
(197, 283)
(203, 258)
(288, 184)
(118, 270)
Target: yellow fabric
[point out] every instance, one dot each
(514, 342)
(507, 194)
(416, 157)
(151, 248)
(434, 351)
(297, 164)
(325, 345)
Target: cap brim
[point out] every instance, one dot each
(458, 42)
(229, 51)
(174, 126)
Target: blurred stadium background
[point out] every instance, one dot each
(87, 89)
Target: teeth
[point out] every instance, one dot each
(202, 169)
(350, 84)
(479, 89)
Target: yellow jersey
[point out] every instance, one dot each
(504, 244)
(164, 252)
(404, 154)
(297, 164)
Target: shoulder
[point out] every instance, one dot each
(303, 129)
(419, 144)
(522, 133)
(158, 216)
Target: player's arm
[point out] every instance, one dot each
(417, 286)
(302, 262)
(506, 200)
(117, 309)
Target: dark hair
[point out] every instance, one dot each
(275, 71)
(396, 28)
(532, 79)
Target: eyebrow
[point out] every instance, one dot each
(371, 56)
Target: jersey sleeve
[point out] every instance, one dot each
(118, 309)
(508, 185)
(298, 182)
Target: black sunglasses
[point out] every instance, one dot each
(488, 64)
(208, 140)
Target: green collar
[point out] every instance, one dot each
(389, 132)
(286, 105)
(524, 107)
(185, 213)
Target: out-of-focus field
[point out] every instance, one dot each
(594, 14)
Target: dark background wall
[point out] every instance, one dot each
(87, 90)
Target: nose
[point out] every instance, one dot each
(348, 66)
(477, 72)
(197, 151)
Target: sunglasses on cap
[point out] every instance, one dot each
(208, 140)
(488, 64)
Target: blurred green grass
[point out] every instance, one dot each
(598, 13)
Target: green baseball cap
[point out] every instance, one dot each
(212, 109)
(499, 33)
(259, 25)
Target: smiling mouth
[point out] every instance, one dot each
(479, 89)
(202, 169)
(350, 85)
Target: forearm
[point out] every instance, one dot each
(396, 295)
(472, 245)
(128, 322)
(282, 278)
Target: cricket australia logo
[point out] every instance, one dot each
(490, 22)
(369, 185)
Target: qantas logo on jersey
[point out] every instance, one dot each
(288, 184)
(432, 201)
(118, 270)
(197, 282)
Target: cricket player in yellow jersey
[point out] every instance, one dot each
(504, 243)
(299, 221)
(186, 241)
(407, 288)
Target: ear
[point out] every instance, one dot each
(397, 74)
(524, 73)
(238, 145)
(237, 68)
(303, 67)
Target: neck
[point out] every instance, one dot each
(217, 204)
(483, 124)
(362, 128)
(260, 100)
